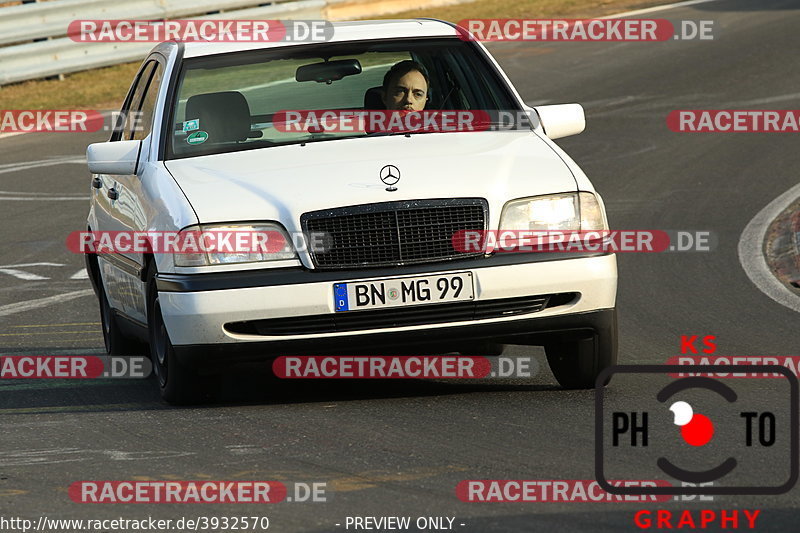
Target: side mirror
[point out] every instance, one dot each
(561, 120)
(119, 158)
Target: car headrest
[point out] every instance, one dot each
(225, 116)
(372, 98)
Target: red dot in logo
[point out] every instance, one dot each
(698, 431)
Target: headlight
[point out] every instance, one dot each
(219, 244)
(554, 212)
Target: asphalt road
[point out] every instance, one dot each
(400, 448)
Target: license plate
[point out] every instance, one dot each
(396, 292)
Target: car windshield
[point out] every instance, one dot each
(240, 101)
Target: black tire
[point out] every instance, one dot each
(178, 383)
(116, 342)
(576, 362)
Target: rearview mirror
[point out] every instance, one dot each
(119, 158)
(561, 120)
(329, 71)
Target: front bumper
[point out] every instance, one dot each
(471, 340)
(196, 308)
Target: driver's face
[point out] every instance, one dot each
(408, 92)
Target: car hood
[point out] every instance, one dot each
(281, 183)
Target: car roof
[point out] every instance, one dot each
(342, 32)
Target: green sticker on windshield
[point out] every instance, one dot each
(198, 137)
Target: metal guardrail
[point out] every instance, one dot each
(61, 55)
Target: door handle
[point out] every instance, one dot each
(96, 183)
(112, 193)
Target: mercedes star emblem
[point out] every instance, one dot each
(390, 175)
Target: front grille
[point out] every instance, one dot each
(402, 316)
(394, 233)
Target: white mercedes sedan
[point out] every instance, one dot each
(227, 137)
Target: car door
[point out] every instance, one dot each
(118, 199)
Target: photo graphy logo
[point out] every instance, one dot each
(742, 435)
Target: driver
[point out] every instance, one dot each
(405, 87)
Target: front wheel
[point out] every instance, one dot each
(116, 342)
(112, 336)
(178, 383)
(576, 362)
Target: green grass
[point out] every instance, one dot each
(103, 88)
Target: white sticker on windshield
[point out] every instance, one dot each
(191, 125)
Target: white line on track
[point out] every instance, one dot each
(12, 134)
(80, 274)
(19, 196)
(25, 165)
(39, 198)
(33, 265)
(751, 255)
(51, 158)
(654, 9)
(20, 307)
(56, 351)
(14, 270)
